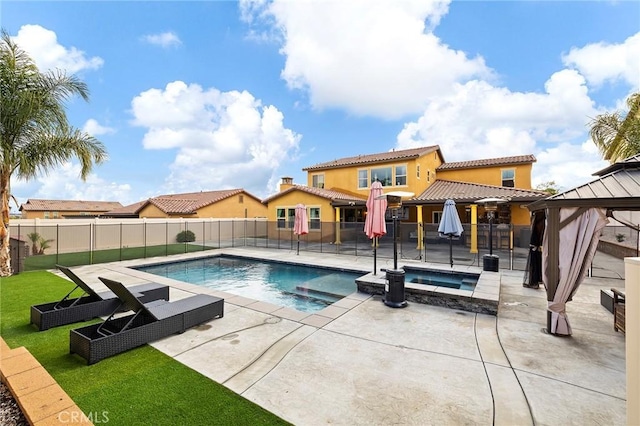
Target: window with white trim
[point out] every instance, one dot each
(509, 178)
(314, 217)
(436, 217)
(417, 171)
(363, 179)
(383, 175)
(317, 181)
(401, 175)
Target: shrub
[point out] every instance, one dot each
(186, 236)
(620, 237)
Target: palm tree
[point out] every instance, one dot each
(616, 137)
(35, 135)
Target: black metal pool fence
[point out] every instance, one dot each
(42, 246)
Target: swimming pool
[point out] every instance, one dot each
(439, 278)
(301, 287)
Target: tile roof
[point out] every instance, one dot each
(375, 158)
(328, 194)
(189, 203)
(69, 205)
(131, 209)
(442, 190)
(472, 164)
(185, 203)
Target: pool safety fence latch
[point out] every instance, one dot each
(394, 289)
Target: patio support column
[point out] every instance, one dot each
(474, 228)
(551, 273)
(338, 226)
(420, 229)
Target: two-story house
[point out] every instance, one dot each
(337, 190)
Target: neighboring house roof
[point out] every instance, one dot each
(617, 190)
(442, 190)
(328, 194)
(130, 210)
(69, 205)
(186, 203)
(376, 158)
(502, 161)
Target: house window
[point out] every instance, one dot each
(46, 215)
(55, 215)
(280, 218)
(401, 175)
(508, 178)
(418, 171)
(291, 217)
(363, 179)
(317, 181)
(314, 217)
(241, 199)
(428, 175)
(382, 174)
(436, 217)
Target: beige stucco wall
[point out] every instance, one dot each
(632, 337)
(490, 175)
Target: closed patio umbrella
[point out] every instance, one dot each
(300, 223)
(450, 225)
(374, 224)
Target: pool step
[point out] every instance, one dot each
(435, 282)
(306, 296)
(317, 292)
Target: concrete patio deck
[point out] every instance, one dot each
(361, 362)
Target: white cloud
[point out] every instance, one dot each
(94, 128)
(369, 58)
(604, 62)
(483, 121)
(64, 184)
(165, 40)
(43, 47)
(569, 165)
(224, 139)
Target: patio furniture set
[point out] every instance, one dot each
(135, 315)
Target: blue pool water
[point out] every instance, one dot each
(456, 280)
(303, 288)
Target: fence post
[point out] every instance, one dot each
(203, 239)
(57, 243)
(120, 241)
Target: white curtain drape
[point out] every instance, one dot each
(578, 241)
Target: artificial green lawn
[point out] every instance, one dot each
(139, 387)
(49, 261)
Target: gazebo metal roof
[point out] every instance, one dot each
(617, 188)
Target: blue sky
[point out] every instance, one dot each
(208, 95)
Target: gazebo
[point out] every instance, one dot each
(574, 221)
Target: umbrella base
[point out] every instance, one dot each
(490, 262)
(394, 289)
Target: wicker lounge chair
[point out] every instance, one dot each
(148, 323)
(618, 310)
(89, 305)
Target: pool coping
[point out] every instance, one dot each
(484, 298)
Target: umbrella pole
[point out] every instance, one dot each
(375, 252)
(451, 250)
(298, 249)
